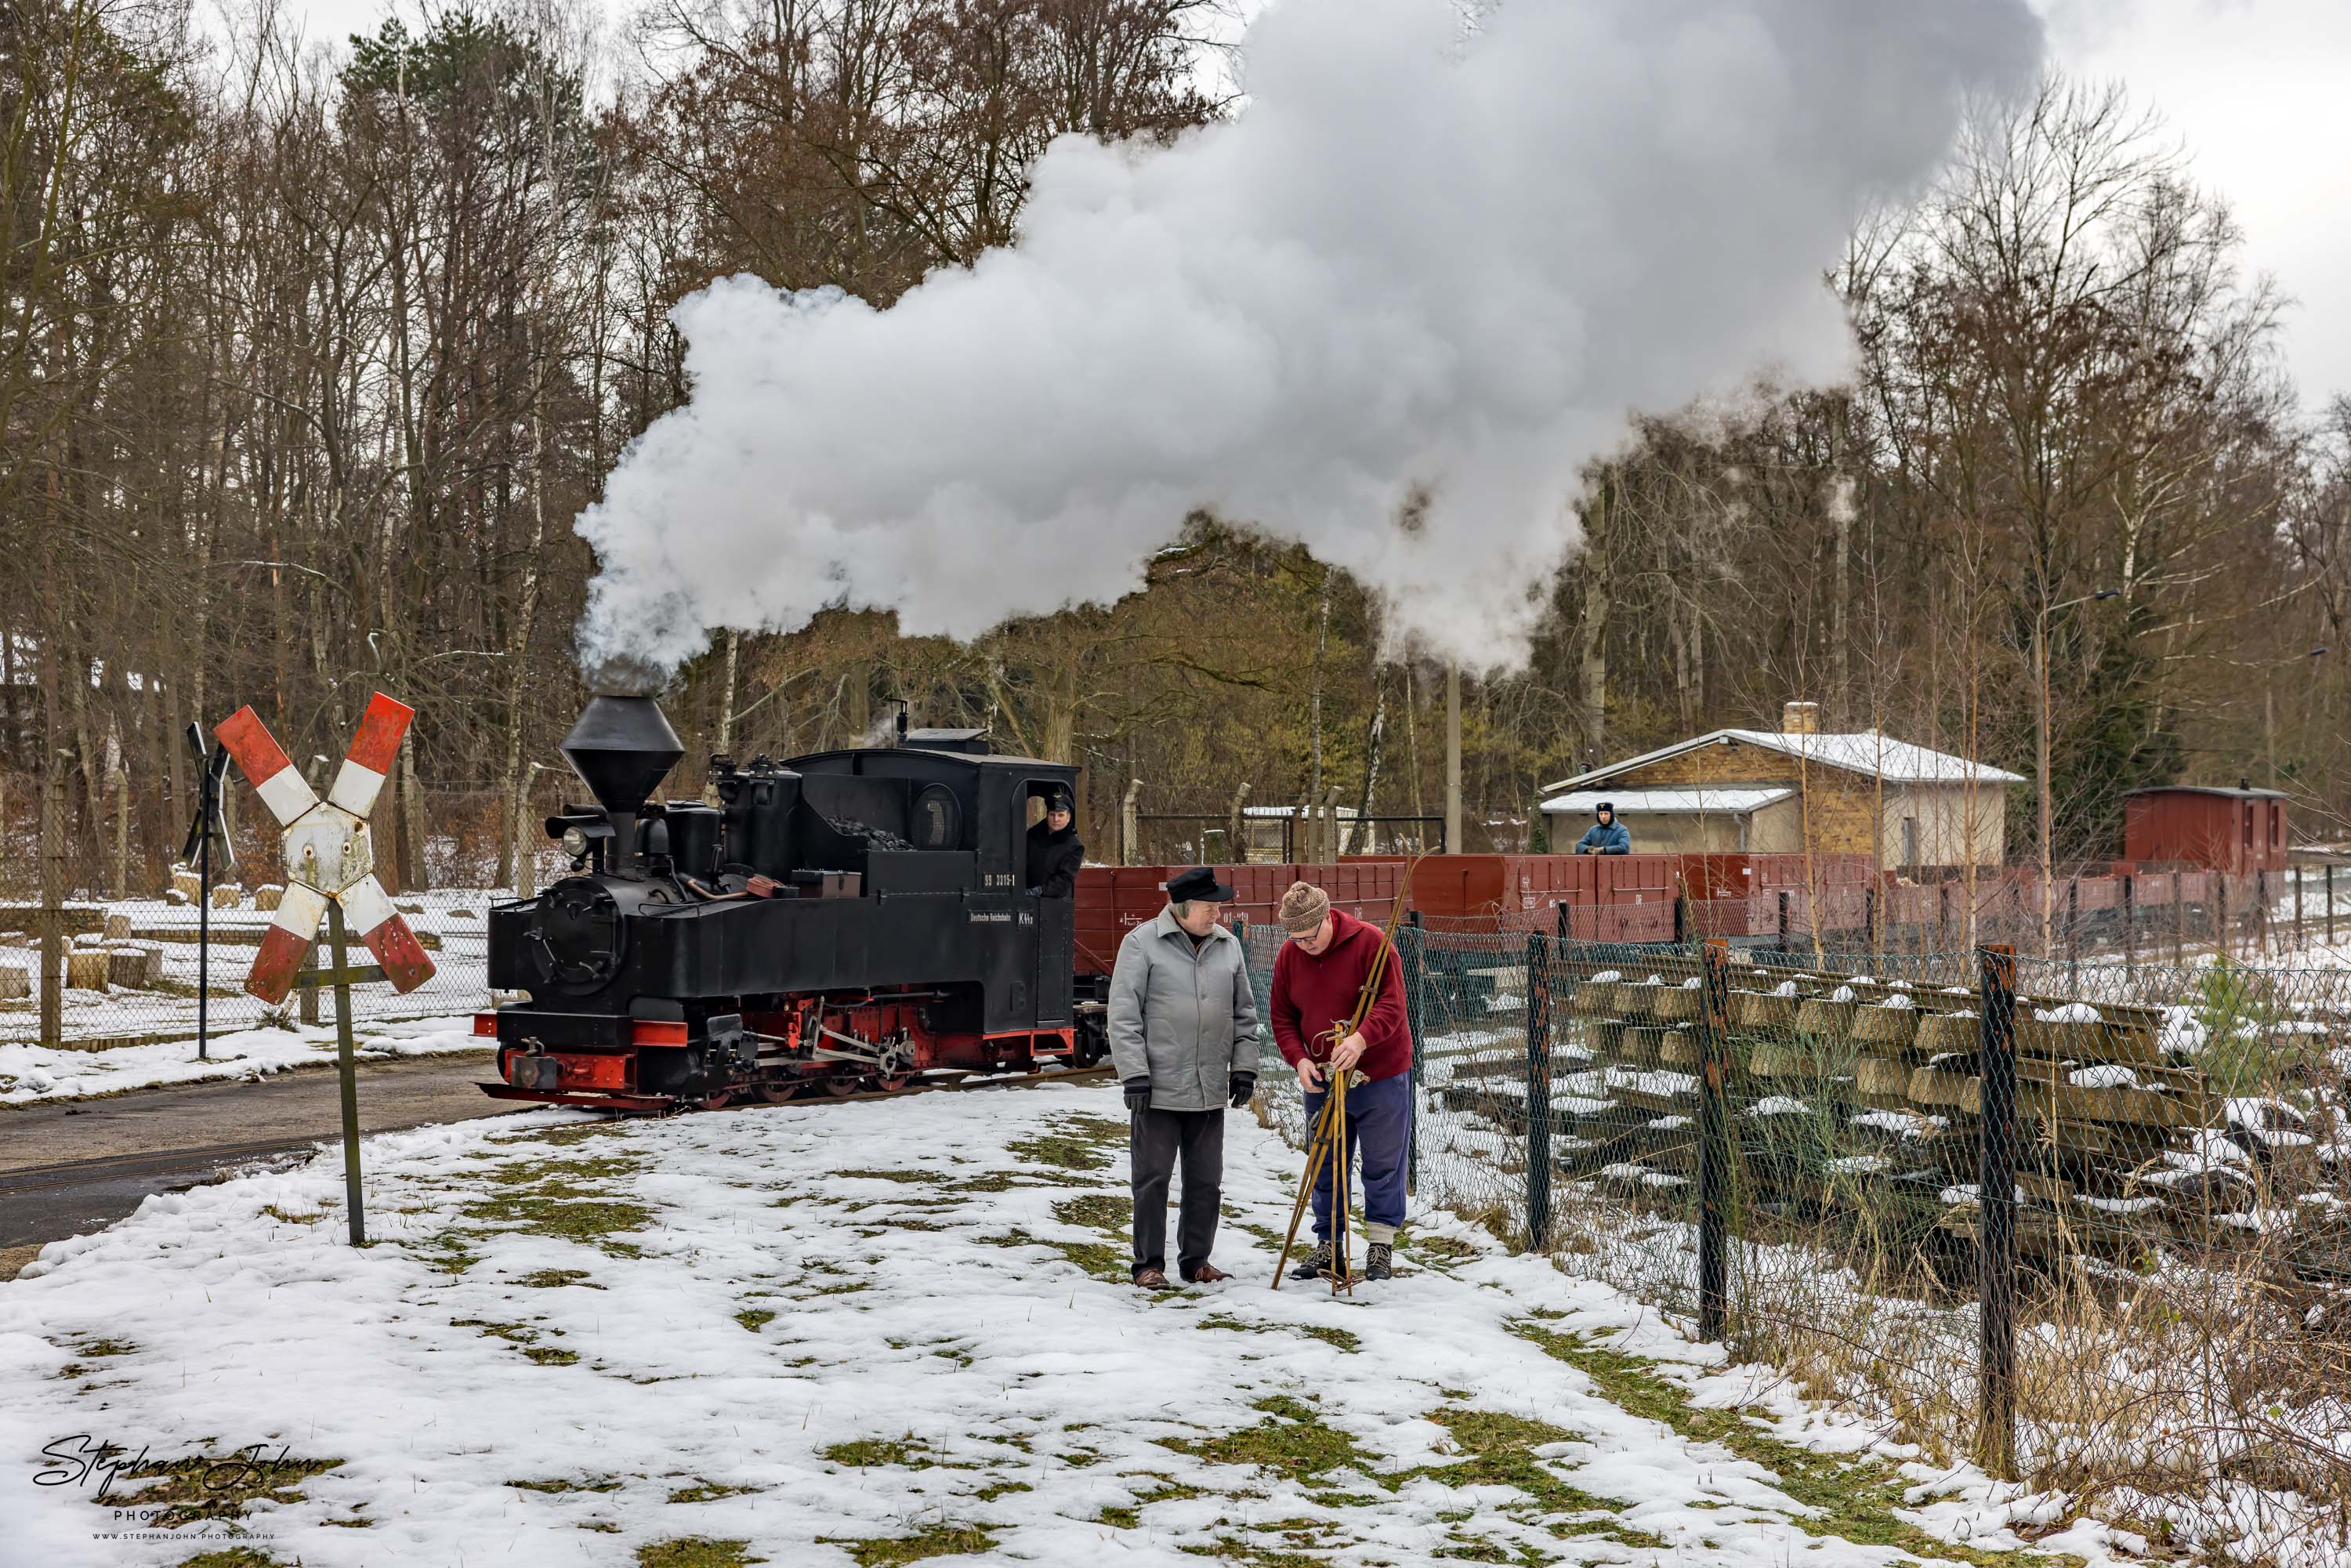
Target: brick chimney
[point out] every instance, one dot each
(1799, 718)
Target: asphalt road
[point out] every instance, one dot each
(71, 1168)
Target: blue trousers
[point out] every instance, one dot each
(1379, 1129)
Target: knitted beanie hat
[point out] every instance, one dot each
(1303, 907)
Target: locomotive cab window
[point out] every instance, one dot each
(936, 820)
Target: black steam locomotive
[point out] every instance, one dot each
(840, 922)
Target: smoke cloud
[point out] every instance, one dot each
(1423, 262)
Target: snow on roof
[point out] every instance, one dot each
(1861, 751)
(1668, 802)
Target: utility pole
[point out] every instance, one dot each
(1453, 842)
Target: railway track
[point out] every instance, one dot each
(814, 1094)
(946, 1082)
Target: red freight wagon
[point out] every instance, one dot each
(2239, 831)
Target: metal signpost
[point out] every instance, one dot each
(330, 871)
(207, 830)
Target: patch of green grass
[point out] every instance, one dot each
(108, 1347)
(446, 1253)
(1098, 1258)
(1018, 1181)
(911, 1177)
(909, 1452)
(1074, 1142)
(1854, 1502)
(755, 1318)
(215, 1486)
(1097, 1211)
(280, 1214)
(561, 1484)
(995, 1490)
(1501, 1449)
(1291, 1441)
(233, 1557)
(1227, 1550)
(696, 1552)
(548, 1199)
(1118, 1518)
(1338, 1338)
(578, 1132)
(1444, 1247)
(708, 1491)
(556, 1278)
(548, 1356)
(892, 1550)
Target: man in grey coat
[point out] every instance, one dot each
(1183, 1035)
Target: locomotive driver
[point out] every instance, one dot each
(1054, 853)
(1183, 1035)
(1317, 978)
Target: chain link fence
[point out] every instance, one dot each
(100, 924)
(2087, 1222)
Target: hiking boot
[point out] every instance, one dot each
(1203, 1274)
(1151, 1280)
(1376, 1262)
(1315, 1264)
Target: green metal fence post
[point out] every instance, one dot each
(1538, 1093)
(1996, 1206)
(1714, 1144)
(1410, 951)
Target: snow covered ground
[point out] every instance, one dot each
(879, 1332)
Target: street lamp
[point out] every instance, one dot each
(2040, 738)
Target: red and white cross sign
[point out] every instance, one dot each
(330, 854)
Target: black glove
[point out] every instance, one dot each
(1138, 1093)
(1244, 1085)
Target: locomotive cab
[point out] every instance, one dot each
(844, 921)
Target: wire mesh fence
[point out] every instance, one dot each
(101, 925)
(2088, 1222)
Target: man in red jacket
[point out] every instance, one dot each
(1317, 978)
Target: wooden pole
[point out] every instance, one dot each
(2130, 921)
(120, 885)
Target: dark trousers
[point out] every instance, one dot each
(1154, 1139)
(1379, 1127)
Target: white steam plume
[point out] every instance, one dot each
(1419, 260)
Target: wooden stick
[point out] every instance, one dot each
(1316, 1147)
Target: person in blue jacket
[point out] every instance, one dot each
(1607, 836)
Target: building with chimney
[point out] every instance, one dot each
(1794, 789)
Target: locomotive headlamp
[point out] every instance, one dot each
(575, 843)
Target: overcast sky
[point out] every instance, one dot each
(2256, 90)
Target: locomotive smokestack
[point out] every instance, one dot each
(621, 748)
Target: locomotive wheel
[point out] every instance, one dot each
(718, 1101)
(839, 1088)
(894, 1083)
(779, 1093)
